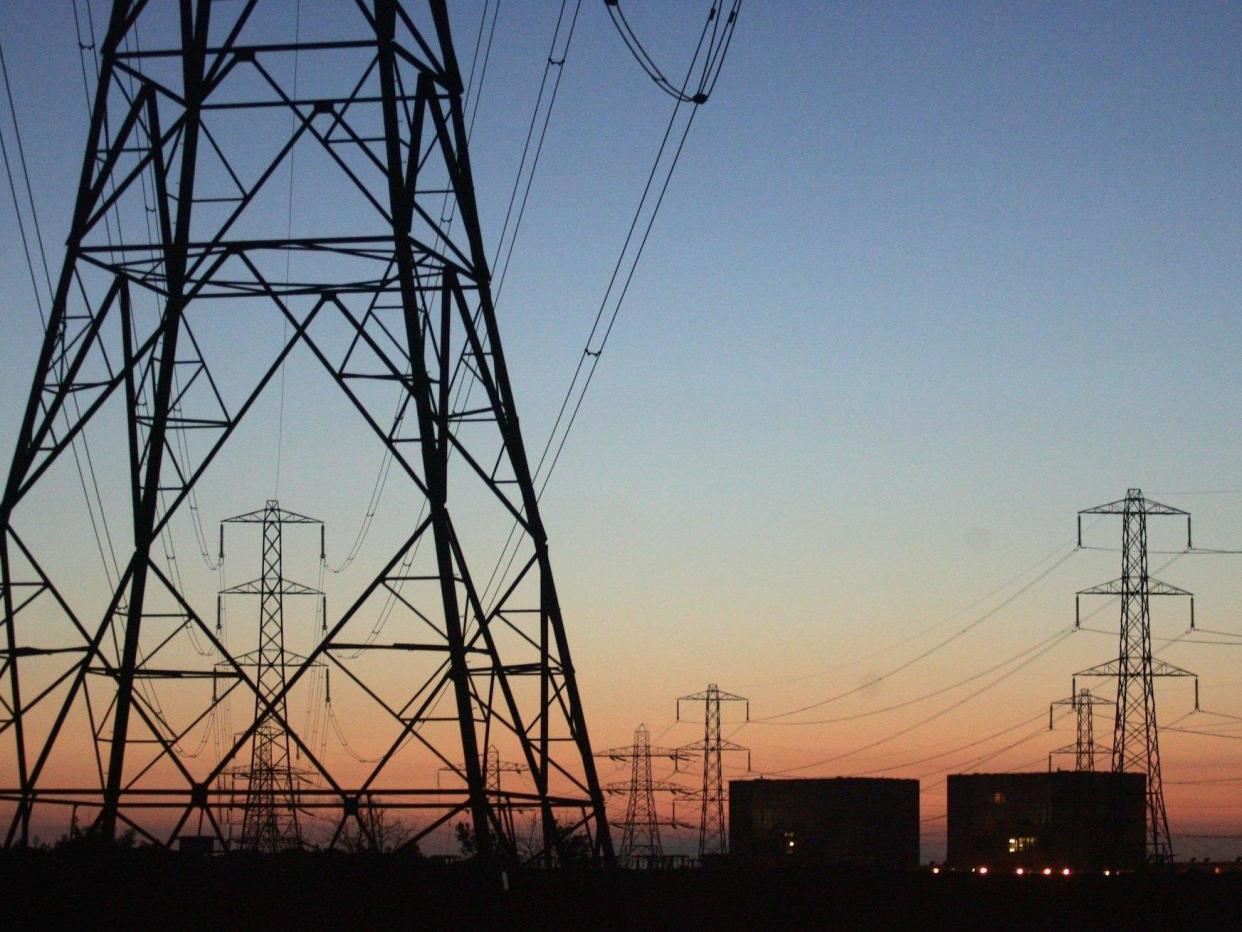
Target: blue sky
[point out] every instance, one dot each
(930, 278)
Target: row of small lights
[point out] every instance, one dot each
(1047, 871)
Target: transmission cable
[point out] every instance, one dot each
(100, 530)
(471, 98)
(961, 747)
(584, 372)
(557, 56)
(1044, 647)
(940, 645)
(501, 271)
(918, 634)
(717, 47)
(906, 702)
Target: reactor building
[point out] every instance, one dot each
(1065, 819)
(851, 821)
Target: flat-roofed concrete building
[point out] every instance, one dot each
(1058, 820)
(842, 820)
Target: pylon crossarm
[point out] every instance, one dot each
(722, 744)
(1128, 505)
(1164, 668)
(255, 587)
(277, 516)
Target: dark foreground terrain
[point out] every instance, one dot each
(135, 888)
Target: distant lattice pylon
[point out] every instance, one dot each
(1084, 748)
(640, 840)
(270, 811)
(1136, 739)
(713, 838)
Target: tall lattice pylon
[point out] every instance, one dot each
(1084, 748)
(1136, 738)
(640, 840)
(270, 811)
(183, 265)
(713, 833)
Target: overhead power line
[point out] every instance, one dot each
(1034, 654)
(1059, 550)
(672, 144)
(940, 645)
(716, 34)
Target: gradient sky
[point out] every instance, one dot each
(929, 279)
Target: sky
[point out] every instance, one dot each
(928, 280)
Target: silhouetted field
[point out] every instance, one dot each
(147, 888)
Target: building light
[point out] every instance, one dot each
(983, 870)
(1021, 871)
(1065, 872)
(935, 870)
(1108, 873)
(1047, 871)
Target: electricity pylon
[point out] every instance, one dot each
(640, 840)
(493, 767)
(385, 288)
(270, 812)
(1084, 748)
(713, 837)
(1136, 738)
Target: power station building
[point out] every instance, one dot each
(840, 821)
(1058, 820)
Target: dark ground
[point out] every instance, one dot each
(147, 888)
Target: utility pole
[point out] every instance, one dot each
(270, 812)
(389, 295)
(1136, 738)
(1084, 748)
(640, 840)
(713, 838)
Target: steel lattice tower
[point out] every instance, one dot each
(1084, 748)
(389, 296)
(493, 767)
(270, 812)
(1136, 738)
(640, 840)
(713, 837)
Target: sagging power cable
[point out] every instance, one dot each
(938, 646)
(717, 47)
(1043, 647)
(672, 144)
(470, 98)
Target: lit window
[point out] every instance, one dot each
(998, 798)
(1022, 843)
(790, 841)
